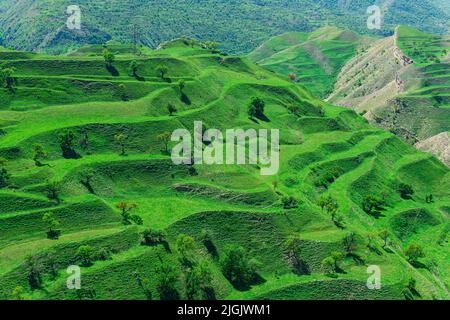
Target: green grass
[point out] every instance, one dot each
(429, 99)
(325, 150)
(316, 58)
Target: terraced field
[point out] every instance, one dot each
(325, 151)
(431, 98)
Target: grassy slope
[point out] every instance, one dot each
(316, 58)
(235, 203)
(430, 100)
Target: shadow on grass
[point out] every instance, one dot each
(139, 78)
(260, 117)
(388, 250)
(356, 258)
(185, 99)
(340, 270)
(263, 117)
(241, 286)
(211, 247)
(169, 295)
(375, 250)
(113, 71)
(418, 265)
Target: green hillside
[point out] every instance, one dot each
(81, 111)
(240, 26)
(315, 58)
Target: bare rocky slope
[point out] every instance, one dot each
(438, 145)
(398, 93)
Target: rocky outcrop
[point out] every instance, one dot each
(439, 145)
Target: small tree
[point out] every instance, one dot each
(328, 203)
(338, 220)
(322, 202)
(327, 265)
(384, 235)
(66, 142)
(86, 179)
(275, 184)
(185, 247)
(52, 225)
(152, 237)
(4, 175)
(256, 107)
(192, 283)
(293, 252)
(162, 71)
(166, 282)
(85, 255)
(289, 202)
(34, 271)
(211, 45)
(145, 285)
(171, 109)
(38, 154)
(292, 76)
(332, 207)
(109, 57)
(294, 109)
(165, 138)
(349, 243)
(84, 141)
(122, 90)
(371, 237)
(337, 257)
(125, 209)
(102, 255)
(121, 140)
(205, 274)
(406, 191)
(251, 111)
(198, 281)
(373, 205)
(17, 293)
(237, 268)
(181, 85)
(53, 189)
(413, 252)
(7, 78)
(51, 264)
(134, 68)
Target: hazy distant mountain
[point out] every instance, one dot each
(239, 26)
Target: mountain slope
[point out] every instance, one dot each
(316, 58)
(240, 26)
(325, 150)
(402, 82)
(438, 145)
